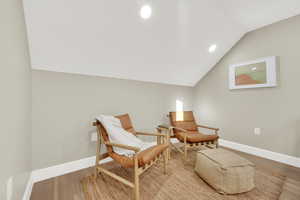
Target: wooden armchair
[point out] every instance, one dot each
(140, 161)
(186, 131)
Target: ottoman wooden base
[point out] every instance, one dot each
(225, 171)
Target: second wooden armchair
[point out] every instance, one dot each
(185, 129)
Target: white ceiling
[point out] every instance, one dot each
(108, 38)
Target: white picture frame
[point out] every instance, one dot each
(270, 66)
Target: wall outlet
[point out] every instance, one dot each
(94, 137)
(257, 131)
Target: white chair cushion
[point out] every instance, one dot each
(119, 135)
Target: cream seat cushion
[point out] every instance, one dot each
(117, 134)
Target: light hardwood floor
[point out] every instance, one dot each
(68, 187)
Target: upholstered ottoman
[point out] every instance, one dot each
(225, 171)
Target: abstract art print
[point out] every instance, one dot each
(253, 74)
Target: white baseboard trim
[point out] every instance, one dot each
(58, 170)
(28, 188)
(282, 158)
(65, 168)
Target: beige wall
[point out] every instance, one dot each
(275, 110)
(64, 106)
(15, 106)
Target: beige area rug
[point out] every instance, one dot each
(180, 183)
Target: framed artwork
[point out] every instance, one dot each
(253, 74)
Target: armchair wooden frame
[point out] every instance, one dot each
(138, 170)
(187, 145)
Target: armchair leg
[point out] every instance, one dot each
(185, 148)
(165, 161)
(217, 143)
(136, 180)
(168, 153)
(96, 173)
(185, 152)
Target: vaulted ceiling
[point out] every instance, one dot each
(108, 37)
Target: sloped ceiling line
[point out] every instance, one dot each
(110, 39)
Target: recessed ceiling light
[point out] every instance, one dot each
(146, 12)
(212, 48)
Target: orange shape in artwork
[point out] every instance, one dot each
(245, 79)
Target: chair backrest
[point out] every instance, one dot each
(126, 124)
(184, 120)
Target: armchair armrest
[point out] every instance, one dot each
(163, 126)
(207, 127)
(150, 134)
(135, 149)
(179, 129)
